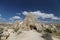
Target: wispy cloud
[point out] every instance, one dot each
(43, 15)
(15, 18)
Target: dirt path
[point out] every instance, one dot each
(27, 35)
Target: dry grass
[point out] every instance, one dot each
(56, 35)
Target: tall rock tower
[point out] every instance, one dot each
(30, 22)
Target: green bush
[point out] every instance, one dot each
(16, 29)
(47, 30)
(1, 29)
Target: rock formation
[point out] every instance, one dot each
(30, 27)
(30, 22)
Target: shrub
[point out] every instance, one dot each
(16, 29)
(47, 30)
(1, 29)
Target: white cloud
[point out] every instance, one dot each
(43, 15)
(25, 13)
(15, 18)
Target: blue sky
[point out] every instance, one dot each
(10, 9)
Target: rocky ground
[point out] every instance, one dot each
(28, 35)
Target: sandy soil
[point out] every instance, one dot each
(27, 35)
